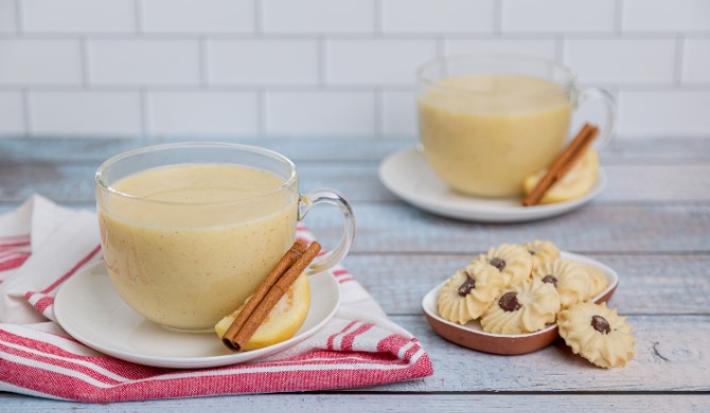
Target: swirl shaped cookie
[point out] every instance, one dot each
(571, 280)
(522, 308)
(541, 252)
(512, 262)
(468, 293)
(598, 334)
(598, 281)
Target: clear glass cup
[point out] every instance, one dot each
(487, 121)
(184, 264)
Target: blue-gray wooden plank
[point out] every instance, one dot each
(68, 149)
(653, 225)
(74, 182)
(393, 403)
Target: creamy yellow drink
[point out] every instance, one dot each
(196, 239)
(483, 135)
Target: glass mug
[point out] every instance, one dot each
(488, 121)
(186, 242)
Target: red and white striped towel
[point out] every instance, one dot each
(42, 245)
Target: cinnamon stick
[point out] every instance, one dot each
(295, 252)
(562, 164)
(235, 338)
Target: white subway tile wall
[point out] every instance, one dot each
(316, 16)
(88, 113)
(340, 68)
(8, 13)
(697, 60)
(375, 62)
(143, 62)
(622, 61)
(438, 16)
(399, 113)
(558, 16)
(40, 62)
(190, 114)
(543, 47)
(262, 62)
(320, 113)
(78, 16)
(197, 16)
(666, 16)
(12, 119)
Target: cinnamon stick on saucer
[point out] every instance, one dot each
(295, 252)
(269, 292)
(562, 163)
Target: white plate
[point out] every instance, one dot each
(407, 174)
(89, 309)
(429, 300)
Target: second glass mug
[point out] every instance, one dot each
(484, 137)
(186, 264)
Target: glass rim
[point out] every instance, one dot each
(432, 82)
(101, 182)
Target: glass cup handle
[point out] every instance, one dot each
(332, 197)
(607, 99)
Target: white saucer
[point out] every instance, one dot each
(407, 174)
(89, 309)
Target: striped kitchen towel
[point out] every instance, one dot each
(43, 244)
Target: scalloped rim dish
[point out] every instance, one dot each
(471, 336)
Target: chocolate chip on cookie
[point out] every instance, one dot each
(466, 287)
(509, 301)
(600, 324)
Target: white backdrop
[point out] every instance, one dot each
(341, 68)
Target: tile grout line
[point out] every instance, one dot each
(618, 17)
(378, 115)
(229, 87)
(440, 46)
(679, 60)
(345, 88)
(346, 35)
(322, 70)
(498, 17)
(143, 101)
(19, 27)
(24, 92)
(84, 50)
(261, 113)
(138, 16)
(258, 17)
(560, 48)
(26, 118)
(202, 56)
(377, 16)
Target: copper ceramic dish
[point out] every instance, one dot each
(472, 336)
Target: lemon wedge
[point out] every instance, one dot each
(283, 321)
(576, 183)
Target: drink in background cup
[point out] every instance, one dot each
(487, 146)
(486, 122)
(190, 230)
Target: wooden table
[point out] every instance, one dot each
(652, 225)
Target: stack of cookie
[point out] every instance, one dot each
(523, 288)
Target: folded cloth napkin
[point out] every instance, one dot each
(43, 244)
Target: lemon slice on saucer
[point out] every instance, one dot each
(283, 321)
(576, 183)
